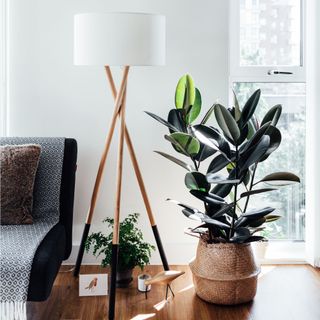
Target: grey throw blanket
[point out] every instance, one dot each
(18, 243)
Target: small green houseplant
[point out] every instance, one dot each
(235, 150)
(133, 251)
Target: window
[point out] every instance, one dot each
(267, 52)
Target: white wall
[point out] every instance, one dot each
(313, 134)
(51, 97)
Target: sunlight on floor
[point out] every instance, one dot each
(186, 288)
(143, 316)
(265, 270)
(160, 305)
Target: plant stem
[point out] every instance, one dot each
(231, 232)
(250, 188)
(195, 164)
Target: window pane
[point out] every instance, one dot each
(270, 32)
(289, 201)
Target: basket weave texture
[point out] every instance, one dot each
(225, 273)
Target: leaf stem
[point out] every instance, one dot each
(231, 232)
(250, 188)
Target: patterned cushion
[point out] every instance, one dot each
(18, 165)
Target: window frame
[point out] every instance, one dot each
(240, 73)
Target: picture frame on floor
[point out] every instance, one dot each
(93, 285)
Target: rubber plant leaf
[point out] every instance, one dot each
(185, 143)
(162, 121)
(185, 92)
(175, 118)
(195, 108)
(196, 181)
(275, 140)
(177, 161)
(249, 108)
(207, 115)
(207, 197)
(237, 111)
(273, 115)
(280, 179)
(257, 191)
(258, 213)
(254, 154)
(226, 122)
(218, 163)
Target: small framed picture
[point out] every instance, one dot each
(93, 284)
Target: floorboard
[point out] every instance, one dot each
(286, 292)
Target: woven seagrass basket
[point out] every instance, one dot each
(225, 273)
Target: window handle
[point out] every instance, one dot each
(271, 72)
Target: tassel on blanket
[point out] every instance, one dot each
(13, 310)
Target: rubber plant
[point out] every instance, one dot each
(239, 145)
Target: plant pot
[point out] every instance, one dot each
(141, 279)
(260, 249)
(124, 278)
(225, 273)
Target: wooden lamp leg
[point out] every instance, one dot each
(140, 180)
(118, 101)
(116, 226)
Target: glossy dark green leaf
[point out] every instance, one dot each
(243, 134)
(177, 161)
(241, 235)
(275, 140)
(224, 209)
(207, 197)
(222, 190)
(255, 138)
(237, 111)
(280, 179)
(273, 115)
(254, 153)
(254, 239)
(218, 163)
(204, 153)
(220, 179)
(249, 108)
(255, 222)
(211, 137)
(257, 191)
(197, 216)
(162, 121)
(207, 115)
(226, 122)
(258, 213)
(184, 143)
(175, 118)
(183, 205)
(196, 181)
(195, 108)
(215, 222)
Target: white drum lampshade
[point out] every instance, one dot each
(119, 39)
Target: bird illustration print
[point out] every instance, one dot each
(92, 285)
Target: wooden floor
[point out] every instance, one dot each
(284, 292)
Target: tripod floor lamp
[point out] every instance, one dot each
(118, 39)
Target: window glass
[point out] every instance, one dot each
(270, 33)
(289, 201)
